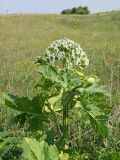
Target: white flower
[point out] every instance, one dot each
(67, 51)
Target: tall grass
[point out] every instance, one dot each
(24, 37)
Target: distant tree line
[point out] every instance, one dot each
(79, 10)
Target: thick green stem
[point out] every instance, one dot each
(67, 103)
(65, 123)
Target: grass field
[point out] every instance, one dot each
(83, 125)
(24, 37)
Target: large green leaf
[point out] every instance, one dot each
(56, 101)
(49, 72)
(63, 76)
(24, 104)
(34, 150)
(99, 109)
(98, 126)
(97, 92)
(28, 154)
(37, 123)
(71, 79)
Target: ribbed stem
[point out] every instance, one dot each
(65, 123)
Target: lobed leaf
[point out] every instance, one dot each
(34, 150)
(98, 126)
(24, 104)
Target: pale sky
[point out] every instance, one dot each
(56, 6)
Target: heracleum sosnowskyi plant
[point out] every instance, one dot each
(73, 59)
(63, 87)
(70, 55)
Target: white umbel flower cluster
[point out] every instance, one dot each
(68, 52)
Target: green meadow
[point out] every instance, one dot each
(53, 112)
(24, 37)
